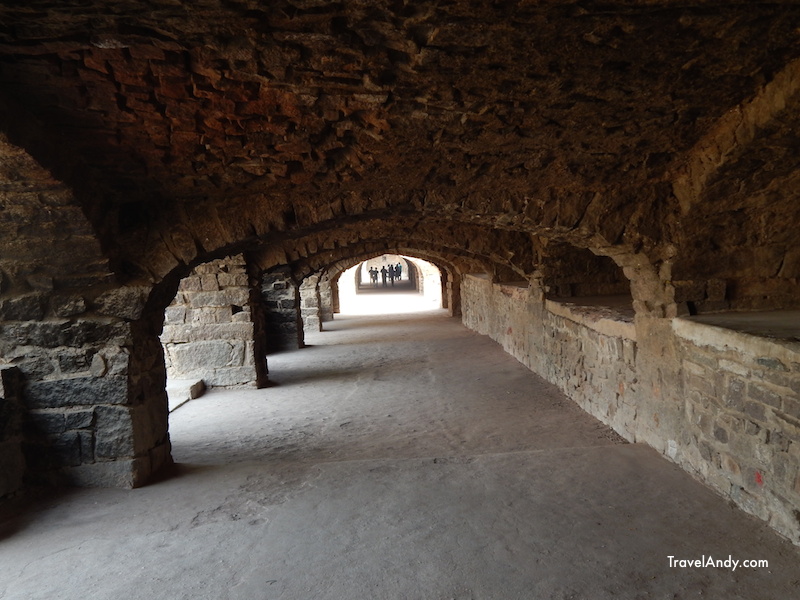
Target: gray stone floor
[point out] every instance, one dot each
(394, 458)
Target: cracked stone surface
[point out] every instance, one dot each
(393, 458)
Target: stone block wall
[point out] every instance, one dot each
(325, 291)
(310, 304)
(742, 400)
(724, 407)
(283, 324)
(93, 394)
(316, 302)
(208, 331)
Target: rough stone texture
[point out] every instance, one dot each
(208, 330)
(742, 412)
(282, 310)
(297, 114)
(325, 291)
(310, 304)
(733, 420)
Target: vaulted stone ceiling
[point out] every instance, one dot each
(187, 127)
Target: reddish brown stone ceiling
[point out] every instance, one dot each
(146, 104)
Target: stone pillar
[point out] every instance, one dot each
(12, 461)
(208, 330)
(92, 388)
(453, 295)
(325, 293)
(445, 283)
(335, 295)
(94, 398)
(282, 320)
(310, 304)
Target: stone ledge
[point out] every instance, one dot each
(606, 320)
(725, 332)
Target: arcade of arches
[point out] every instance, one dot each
(613, 199)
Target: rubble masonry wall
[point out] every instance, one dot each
(724, 406)
(208, 332)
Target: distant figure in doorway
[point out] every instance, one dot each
(398, 271)
(384, 273)
(373, 276)
(391, 273)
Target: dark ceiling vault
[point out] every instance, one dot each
(186, 129)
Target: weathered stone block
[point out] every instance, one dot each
(23, 308)
(241, 316)
(190, 284)
(208, 283)
(126, 302)
(232, 376)
(113, 432)
(79, 419)
(208, 299)
(734, 395)
(52, 334)
(78, 391)
(121, 473)
(791, 406)
(770, 362)
(755, 410)
(232, 279)
(729, 464)
(202, 315)
(74, 360)
(98, 367)
(176, 334)
(174, 314)
(67, 306)
(196, 356)
(237, 296)
(759, 393)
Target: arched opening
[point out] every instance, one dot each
(390, 283)
(208, 334)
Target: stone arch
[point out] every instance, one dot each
(738, 181)
(208, 329)
(78, 338)
(569, 271)
(448, 272)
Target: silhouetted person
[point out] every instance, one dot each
(391, 273)
(384, 273)
(373, 276)
(398, 271)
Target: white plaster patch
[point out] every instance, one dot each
(672, 449)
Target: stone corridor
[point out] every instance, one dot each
(393, 457)
(605, 189)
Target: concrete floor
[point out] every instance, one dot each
(395, 458)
